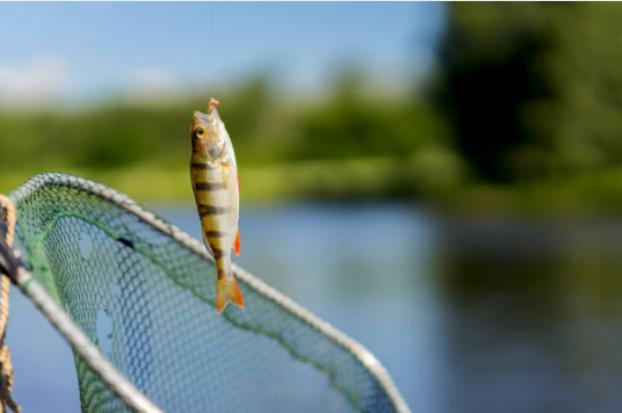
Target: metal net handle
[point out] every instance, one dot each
(108, 373)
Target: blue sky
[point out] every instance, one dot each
(79, 50)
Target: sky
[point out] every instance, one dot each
(77, 51)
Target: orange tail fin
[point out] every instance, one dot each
(227, 291)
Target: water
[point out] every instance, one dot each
(468, 316)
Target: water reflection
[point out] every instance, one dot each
(534, 314)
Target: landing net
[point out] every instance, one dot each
(142, 293)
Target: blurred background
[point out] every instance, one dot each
(442, 181)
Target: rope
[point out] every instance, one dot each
(7, 232)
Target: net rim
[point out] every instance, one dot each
(367, 359)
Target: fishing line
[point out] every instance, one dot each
(210, 44)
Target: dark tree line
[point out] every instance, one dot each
(533, 89)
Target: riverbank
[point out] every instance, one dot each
(434, 179)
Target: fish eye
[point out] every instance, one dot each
(199, 133)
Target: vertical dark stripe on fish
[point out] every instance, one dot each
(215, 234)
(208, 186)
(200, 165)
(205, 210)
(218, 253)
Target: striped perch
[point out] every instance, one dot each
(214, 177)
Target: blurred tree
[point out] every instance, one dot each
(533, 88)
(357, 120)
(398, 147)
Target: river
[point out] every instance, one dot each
(468, 315)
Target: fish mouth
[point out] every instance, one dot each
(212, 104)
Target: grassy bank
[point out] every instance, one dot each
(325, 179)
(435, 177)
(598, 192)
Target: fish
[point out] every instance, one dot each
(216, 187)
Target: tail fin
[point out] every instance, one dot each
(227, 291)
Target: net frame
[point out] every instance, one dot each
(110, 375)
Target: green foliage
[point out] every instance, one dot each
(267, 131)
(354, 125)
(528, 98)
(534, 89)
(352, 143)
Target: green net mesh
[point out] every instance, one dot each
(143, 292)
